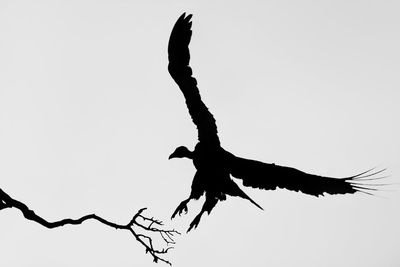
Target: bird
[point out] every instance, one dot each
(215, 166)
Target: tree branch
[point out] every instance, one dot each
(148, 225)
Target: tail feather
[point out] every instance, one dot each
(236, 191)
(252, 201)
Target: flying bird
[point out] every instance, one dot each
(215, 166)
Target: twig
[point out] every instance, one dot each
(8, 202)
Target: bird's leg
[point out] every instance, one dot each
(208, 205)
(182, 207)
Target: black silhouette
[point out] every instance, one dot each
(215, 165)
(144, 223)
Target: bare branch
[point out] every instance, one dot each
(146, 241)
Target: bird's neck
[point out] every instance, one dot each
(189, 154)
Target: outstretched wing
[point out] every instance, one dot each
(261, 175)
(179, 57)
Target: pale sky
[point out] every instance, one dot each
(89, 116)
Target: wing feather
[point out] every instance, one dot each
(178, 67)
(266, 176)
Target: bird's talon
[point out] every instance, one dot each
(194, 223)
(182, 207)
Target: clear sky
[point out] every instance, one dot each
(89, 116)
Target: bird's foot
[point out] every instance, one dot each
(182, 207)
(194, 223)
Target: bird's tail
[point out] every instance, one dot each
(252, 201)
(236, 191)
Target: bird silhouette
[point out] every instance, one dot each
(215, 166)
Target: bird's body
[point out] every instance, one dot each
(215, 166)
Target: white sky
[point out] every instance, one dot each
(89, 115)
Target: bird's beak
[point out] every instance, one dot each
(172, 156)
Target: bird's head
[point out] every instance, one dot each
(181, 152)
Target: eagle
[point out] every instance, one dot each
(216, 167)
